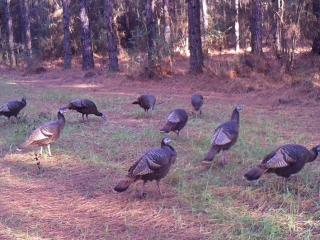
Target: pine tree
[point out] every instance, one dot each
(8, 20)
(151, 34)
(195, 45)
(316, 41)
(112, 43)
(86, 41)
(26, 27)
(256, 27)
(66, 34)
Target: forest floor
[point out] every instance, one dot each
(73, 197)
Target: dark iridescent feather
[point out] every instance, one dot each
(176, 121)
(153, 165)
(146, 102)
(12, 108)
(284, 161)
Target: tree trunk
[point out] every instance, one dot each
(195, 45)
(256, 27)
(173, 17)
(112, 43)
(205, 15)
(236, 26)
(151, 32)
(8, 20)
(316, 41)
(168, 30)
(26, 28)
(66, 36)
(279, 21)
(167, 22)
(86, 41)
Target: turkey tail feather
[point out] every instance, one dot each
(166, 128)
(124, 184)
(255, 173)
(22, 146)
(212, 153)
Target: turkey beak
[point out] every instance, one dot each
(240, 107)
(104, 117)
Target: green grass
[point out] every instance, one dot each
(219, 195)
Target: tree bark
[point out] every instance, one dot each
(236, 26)
(151, 33)
(8, 20)
(256, 27)
(66, 34)
(316, 41)
(167, 22)
(86, 41)
(112, 42)
(279, 21)
(195, 44)
(168, 30)
(205, 15)
(26, 28)
(173, 18)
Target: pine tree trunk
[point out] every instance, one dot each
(173, 18)
(86, 41)
(26, 28)
(167, 22)
(279, 20)
(236, 26)
(152, 33)
(66, 37)
(256, 27)
(168, 30)
(8, 20)
(195, 45)
(205, 15)
(112, 43)
(316, 41)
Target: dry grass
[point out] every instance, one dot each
(73, 197)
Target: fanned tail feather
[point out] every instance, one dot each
(255, 173)
(124, 184)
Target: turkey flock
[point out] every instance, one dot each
(156, 162)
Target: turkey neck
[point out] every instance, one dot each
(163, 145)
(235, 116)
(61, 119)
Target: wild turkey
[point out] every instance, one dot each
(197, 102)
(46, 134)
(146, 102)
(176, 120)
(12, 108)
(86, 107)
(284, 161)
(153, 165)
(224, 137)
